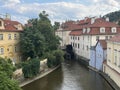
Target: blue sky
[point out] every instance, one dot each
(58, 10)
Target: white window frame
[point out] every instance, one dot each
(113, 30)
(9, 37)
(1, 36)
(102, 30)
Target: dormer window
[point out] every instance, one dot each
(113, 30)
(102, 30)
(88, 30)
(84, 30)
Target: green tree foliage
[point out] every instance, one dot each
(31, 67)
(113, 16)
(6, 71)
(32, 43)
(39, 38)
(54, 58)
(6, 67)
(56, 25)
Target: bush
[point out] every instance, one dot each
(31, 68)
(54, 58)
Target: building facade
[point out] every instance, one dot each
(112, 66)
(98, 55)
(94, 29)
(64, 31)
(9, 39)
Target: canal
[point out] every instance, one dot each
(71, 76)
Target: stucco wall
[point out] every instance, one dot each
(113, 74)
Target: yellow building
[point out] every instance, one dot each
(112, 66)
(9, 39)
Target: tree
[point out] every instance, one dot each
(39, 38)
(56, 25)
(32, 43)
(54, 58)
(6, 67)
(6, 70)
(31, 67)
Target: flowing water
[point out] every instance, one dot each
(70, 76)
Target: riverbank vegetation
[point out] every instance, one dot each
(54, 58)
(31, 67)
(6, 71)
(39, 41)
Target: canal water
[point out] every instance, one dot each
(71, 76)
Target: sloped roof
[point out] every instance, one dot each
(10, 25)
(99, 22)
(103, 44)
(116, 38)
(76, 32)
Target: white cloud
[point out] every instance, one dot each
(20, 18)
(10, 3)
(60, 11)
(113, 2)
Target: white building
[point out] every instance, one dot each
(64, 30)
(92, 30)
(112, 66)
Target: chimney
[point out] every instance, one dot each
(107, 19)
(7, 16)
(92, 20)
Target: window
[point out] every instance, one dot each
(115, 57)
(109, 53)
(84, 30)
(110, 37)
(97, 38)
(87, 47)
(88, 30)
(113, 29)
(78, 37)
(119, 59)
(78, 45)
(75, 45)
(106, 37)
(16, 49)
(15, 36)
(9, 37)
(0, 23)
(1, 50)
(1, 36)
(102, 30)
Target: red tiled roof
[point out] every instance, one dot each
(103, 44)
(115, 38)
(10, 25)
(76, 32)
(99, 22)
(94, 28)
(85, 21)
(96, 31)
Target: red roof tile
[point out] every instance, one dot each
(10, 25)
(115, 38)
(103, 44)
(76, 32)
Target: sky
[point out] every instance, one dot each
(58, 10)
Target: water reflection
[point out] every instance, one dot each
(71, 76)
